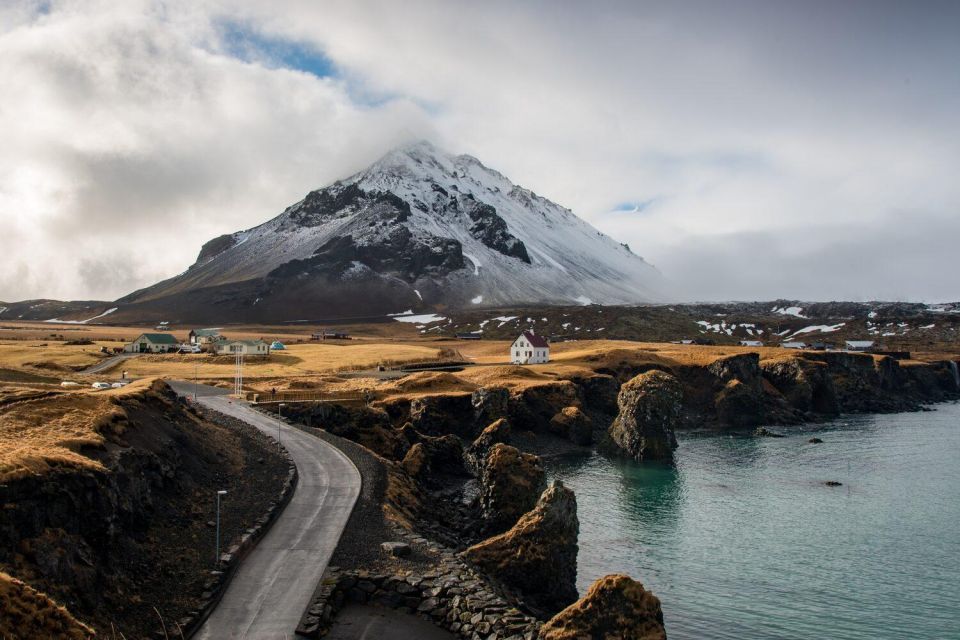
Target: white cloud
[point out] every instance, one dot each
(767, 136)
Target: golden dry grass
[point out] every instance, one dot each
(295, 360)
(28, 613)
(50, 357)
(37, 436)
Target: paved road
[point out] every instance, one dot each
(274, 584)
(103, 365)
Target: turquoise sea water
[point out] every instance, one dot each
(743, 540)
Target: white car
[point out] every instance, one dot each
(189, 348)
(101, 385)
(69, 383)
(119, 385)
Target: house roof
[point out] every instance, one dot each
(206, 332)
(159, 338)
(249, 343)
(535, 340)
(860, 343)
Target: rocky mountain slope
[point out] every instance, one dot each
(419, 229)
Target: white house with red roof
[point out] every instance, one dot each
(529, 348)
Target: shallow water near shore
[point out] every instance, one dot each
(744, 540)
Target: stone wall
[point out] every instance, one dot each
(450, 594)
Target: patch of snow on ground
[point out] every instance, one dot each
(790, 311)
(476, 300)
(822, 328)
(408, 312)
(105, 313)
(928, 326)
(424, 318)
(565, 325)
(2, 309)
(418, 294)
(872, 314)
(584, 300)
(502, 320)
(476, 263)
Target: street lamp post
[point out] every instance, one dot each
(219, 494)
(279, 407)
(196, 371)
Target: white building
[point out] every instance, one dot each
(529, 348)
(859, 345)
(152, 343)
(204, 336)
(751, 343)
(794, 345)
(245, 347)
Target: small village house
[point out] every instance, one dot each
(859, 345)
(244, 347)
(794, 345)
(152, 343)
(202, 337)
(751, 343)
(529, 348)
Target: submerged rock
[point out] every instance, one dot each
(650, 406)
(615, 608)
(815, 441)
(510, 482)
(538, 555)
(763, 432)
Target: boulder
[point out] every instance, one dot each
(510, 483)
(396, 549)
(497, 432)
(573, 424)
(538, 555)
(430, 456)
(650, 406)
(615, 608)
(599, 392)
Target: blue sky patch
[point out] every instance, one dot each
(247, 44)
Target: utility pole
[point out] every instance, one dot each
(219, 494)
(196, 371)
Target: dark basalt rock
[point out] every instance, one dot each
(319, 206)
(616, 606)
(763, 432)
(650, 407)
(215, 247)
(538, 555)
(815, 441)
(510, 483)
(574, 425)
(490, 229)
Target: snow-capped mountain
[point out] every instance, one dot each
(419, 229)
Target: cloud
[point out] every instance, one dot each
(767, 142)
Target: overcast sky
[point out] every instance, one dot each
(750, 150)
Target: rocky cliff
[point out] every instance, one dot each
(615, 608)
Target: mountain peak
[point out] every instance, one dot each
(419, 228)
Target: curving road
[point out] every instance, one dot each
(274, 584)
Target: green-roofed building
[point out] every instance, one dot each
(153, 343)
(204, 336)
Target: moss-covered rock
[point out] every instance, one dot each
(538, 555)
(650, 406)
(615, 608)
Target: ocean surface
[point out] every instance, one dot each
(742, 539)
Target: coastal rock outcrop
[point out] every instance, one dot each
(489, 404)
(616, 607)
(573, 424)
(432, 456)
(496, 432)
(650, 406)
(443, 414)
(805, 384)
(533, 407)
(538, 555)
(740, 401)
(510, 483)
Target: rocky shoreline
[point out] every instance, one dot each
(461, 489)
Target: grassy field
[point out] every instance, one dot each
(43, 431)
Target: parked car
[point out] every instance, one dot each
(117, 385)
(189, 348)
(69, 383)
(101, 385)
